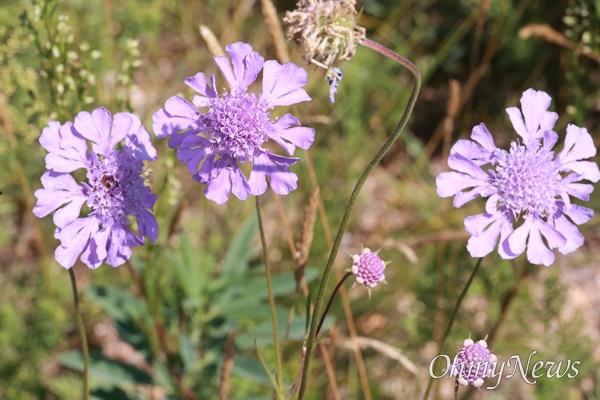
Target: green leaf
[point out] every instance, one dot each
(118, 304)
(188, 352)
(270, 374)
(263, 333)
(240, 250)
(104, 372)
(247, 368)
(282, 284)
(127, 312)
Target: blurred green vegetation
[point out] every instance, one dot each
(203, 279)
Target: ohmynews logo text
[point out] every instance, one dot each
(507, 369)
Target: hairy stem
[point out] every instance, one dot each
(83, 337)
(456, 397)
(452, 318)
(354, 196)
(263, 241)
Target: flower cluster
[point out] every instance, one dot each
(368, 268)
(473, 363)
(236, 124)
(114, 189)
(528, 187)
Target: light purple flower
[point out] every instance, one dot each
(114, 189)
(236, 124)
(473, 363)
(334, 77)
(369, 269)
(528, 187)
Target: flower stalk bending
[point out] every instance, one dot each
(354, 196)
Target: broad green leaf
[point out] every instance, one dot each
(282, 284)
(104, 372)
(188, 352)
(118, 304)
(248, 368)
(263, 333)
(240, 250)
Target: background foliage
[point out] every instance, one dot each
(161, 331)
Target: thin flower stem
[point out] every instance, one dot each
(452, 318)
(352, 201)
(360, 363)
(83, 338)
(331, 301)
(263, 241)
(456, 397)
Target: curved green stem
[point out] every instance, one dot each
(263, 241)
(80, 327)
(354, 196)
(452, 318)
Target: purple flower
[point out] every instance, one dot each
(236, 124)
(473, 363)
(369, 269)
(528, 187)
(113, 191)
(334, 77)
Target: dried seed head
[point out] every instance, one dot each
(325, 30)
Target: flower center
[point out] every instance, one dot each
(527, 180)
(115, 187)
(238, 125)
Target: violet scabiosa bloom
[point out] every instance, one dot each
(236, 124)
(368, 268)
(528, 186)
(114, 189)
(473, 363)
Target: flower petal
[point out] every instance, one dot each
(121, 125)
(282, 84)
(50, 137)
(579, 145)
(534, 105)
(466, 166)
(199, 83)
(164, 124)
(147, 225)
(227, 178)
(289, 136)
(95, 127)
(517, 241)
(484, 244)
(95, 253)
(537, 252)
(450, 183)
(476, 224)
(59, 189)
(481, 135)
(119, 245)
(246, 66)
(516, 119)
(192, 152)
(587, 169)
(138, 139)
(574, 238)
(579, 214)
(74, 238)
